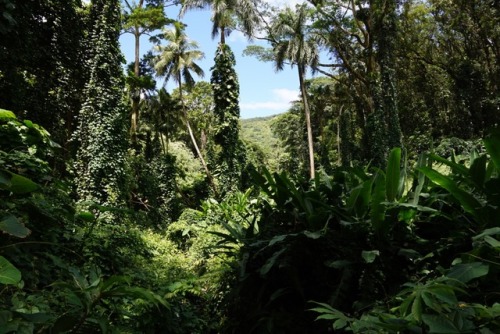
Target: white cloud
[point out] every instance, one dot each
(237, 36)
(284, 94)
(283, 3)
(280, 102)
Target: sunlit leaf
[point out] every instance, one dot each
(8, 273)
(86, 216)
(492, 241)
(370, 256)
(7, 114)
(487, 232)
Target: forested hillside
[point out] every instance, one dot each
(370, 206)
(259, 136)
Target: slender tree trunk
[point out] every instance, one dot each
(135, 99)
(339, 150)
(193, 139)
(308, 121)
(222, 35)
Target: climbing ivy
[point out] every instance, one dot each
(226, 153)
(101, 132)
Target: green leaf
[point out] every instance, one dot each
(487, 232)
(271, 262)
(21, 185)
(8, 273)
(455, 167)
(360, 197)
(339, 324)
(412, 206)
(277, 239)
(7, 114)
(29, 124)
(468, 271)
(338, 264)
(416, 308)
(468, 202)
(370, 256)
(313, 235)
(444, 293)
(438, 324)
(392, 176)
(4, 180)
(12, 226)
(378, 208)
(492, 144)
(85, 216)
(36, 317)
(477, 171)
(422, 161)
(327, 316)
(492, 241)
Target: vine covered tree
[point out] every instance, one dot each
(43, 85)
(227, 150)
(101, 133)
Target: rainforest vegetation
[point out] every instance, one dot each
(371, 206)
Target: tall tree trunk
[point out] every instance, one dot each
(134, 116)
(135, 99)
(222, 35)
(308, 120)
(193, 139)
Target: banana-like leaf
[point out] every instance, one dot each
(360, 197)
(468, 202)
(492, 144)
(478, 171)
(455, 167)
(422, 162)
(377, 213)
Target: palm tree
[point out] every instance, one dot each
(160, 117)
(140, 19)
(223, 13)
(176, 61)
(295, 46)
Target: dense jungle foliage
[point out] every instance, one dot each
(370, 206)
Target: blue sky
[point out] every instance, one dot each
(263, 92)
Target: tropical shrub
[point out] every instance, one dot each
(393, 250)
